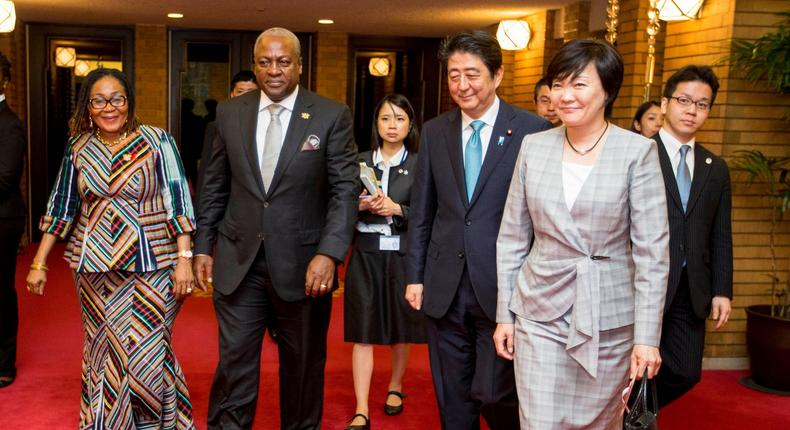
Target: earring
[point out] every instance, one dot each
(90, 119)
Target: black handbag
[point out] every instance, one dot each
(640, 417)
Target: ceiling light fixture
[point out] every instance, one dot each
(65, 57)
(513, 35)
(7, 16)
(326, 21)
(175, 15)
(679, 10)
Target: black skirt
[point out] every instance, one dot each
(375, 309)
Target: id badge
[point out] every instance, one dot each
(389, 243)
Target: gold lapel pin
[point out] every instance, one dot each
(708, 160)
(305, 115)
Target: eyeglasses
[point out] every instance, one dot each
(686, 102)
(101, 102)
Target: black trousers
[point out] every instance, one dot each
(10, 233)
(682, 343)
(468, 377)
(243, 317)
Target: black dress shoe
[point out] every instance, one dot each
(365, 426)
(394, 410)
(6, 381)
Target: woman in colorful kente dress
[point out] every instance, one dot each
(121, 193)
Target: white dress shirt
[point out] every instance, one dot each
(489, 118)
(2, 98)
(264, 118)
(672, 147)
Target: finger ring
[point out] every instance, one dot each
(189, 290)
(323, 286)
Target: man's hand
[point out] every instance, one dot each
(320, 275)
(203, 266)
(414, 295)
(504, 338)
(721, 309)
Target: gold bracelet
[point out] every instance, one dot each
(38, 266)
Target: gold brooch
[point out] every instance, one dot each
(305, 115)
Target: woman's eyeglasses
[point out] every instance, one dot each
(101, 102)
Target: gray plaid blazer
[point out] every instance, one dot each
(607, 258)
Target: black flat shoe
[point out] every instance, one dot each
(6, 381)
(394, 410)
(365, 426)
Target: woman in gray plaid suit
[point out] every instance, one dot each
(582, 253)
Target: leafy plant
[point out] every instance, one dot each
(774, 173)
(767, 58)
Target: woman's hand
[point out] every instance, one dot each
(36, 279)
(384, 206)
(183, 278)
(504, 340)
(645, 357)
(364, 201)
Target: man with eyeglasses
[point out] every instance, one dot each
(699, 204)
(543, 106)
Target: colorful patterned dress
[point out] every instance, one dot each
(126, 210)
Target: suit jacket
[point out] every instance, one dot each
(702, 235)
(126, 208)
(448, 232)
(310, 206)
(13, 145)
(401, 179)
(607, 258)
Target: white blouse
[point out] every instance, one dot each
(573, 177)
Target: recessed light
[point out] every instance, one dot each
(175, 15)
(326, 21)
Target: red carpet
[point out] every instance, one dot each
(46, 393)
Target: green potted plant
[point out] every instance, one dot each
(767, 60)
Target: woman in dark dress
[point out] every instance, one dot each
(375, 310)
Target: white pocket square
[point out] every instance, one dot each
(312, 143)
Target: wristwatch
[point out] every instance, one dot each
(187, 254)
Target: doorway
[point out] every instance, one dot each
(384, 65)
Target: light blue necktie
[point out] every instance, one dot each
(473, 158)
(684, 177)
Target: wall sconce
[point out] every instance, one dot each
(81, 68)
(679, 10)
(65, 57)
(379, 66)
(7, 16)
(513, 35)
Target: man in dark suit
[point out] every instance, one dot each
(280, 202)
(699, 204)
(13, 146)
(466, 162)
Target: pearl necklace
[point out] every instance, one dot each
(120, 139)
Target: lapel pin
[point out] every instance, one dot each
(305, 115)
(509, 132)
(708, 160)
(501, 140)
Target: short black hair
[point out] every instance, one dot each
(5, 67)
(692, 73)
(242, 76)
(575, 55)
(475, 42)
(640, 112)
(542, 82)
(80, 121)
(412, 141)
